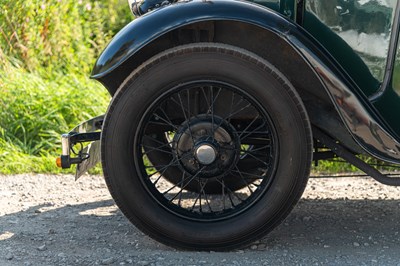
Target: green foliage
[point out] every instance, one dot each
(47, 50)
(35, 111)
(338, 166)
(55, 35)
(332, 166)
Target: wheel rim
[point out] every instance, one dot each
(211, 126)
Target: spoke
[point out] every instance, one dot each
(234, 107)
(186, 117)
(161, 174)
(230, 116)
(205, 97)
(244, 180)
(244, 152)
(150, 149)
(238, 111)
(211, 110)
(232, 102)
(174, 186)
(158, 123)
(183, 187)
(156, 140)
(230, 199)
(223, 193)
(180, 105)
(258, 159)
(205, 195)
(212, 113)
(194, 203)
(254, 131)
(168, 123)
(231, 192)
(165, 114)
(213, 100)
(261, 148)
(159, 177)
(180, 195)
(171, 163)
(254, 152)
(188, 102)
(250, 174)
(249, 125)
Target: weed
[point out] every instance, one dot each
(47, 49)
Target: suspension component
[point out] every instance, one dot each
(351, 158)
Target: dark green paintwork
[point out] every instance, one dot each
(285, 7)
(273, 4)
(358, 36)
(389, 104)
(343, 53)
(352, 29)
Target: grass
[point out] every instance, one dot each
(35, 111)
(47, 50)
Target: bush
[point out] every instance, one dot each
(47, 50)
(56, 35)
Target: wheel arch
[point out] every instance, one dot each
(333, 101)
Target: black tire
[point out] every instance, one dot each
(207, 146)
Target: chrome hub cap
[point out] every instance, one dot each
(206, 154)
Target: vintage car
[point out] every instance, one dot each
(219, 108)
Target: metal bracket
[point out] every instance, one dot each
(351, 158)
(85, 132)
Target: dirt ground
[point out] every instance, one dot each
(53, 220)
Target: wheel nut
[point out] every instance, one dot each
(223, 157)
(202, 132)
(191, 161)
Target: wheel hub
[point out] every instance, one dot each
(206, 143)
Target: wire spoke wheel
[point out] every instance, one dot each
(212, 130)
(206, 147)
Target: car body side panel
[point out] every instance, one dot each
(357, 113)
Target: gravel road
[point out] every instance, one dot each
(53, 220)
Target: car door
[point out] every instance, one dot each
(387, 99)
(362, 36)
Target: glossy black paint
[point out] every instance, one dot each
(354, 109)
(387, 100)
(360, 117)
(386, 85)
(150, 26)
